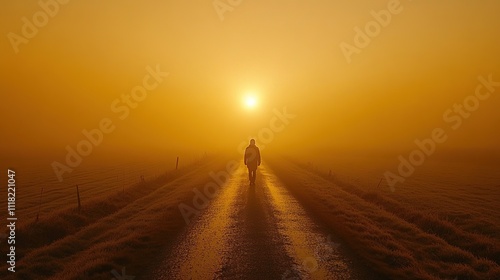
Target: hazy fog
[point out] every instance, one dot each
(76, 69)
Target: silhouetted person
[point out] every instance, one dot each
(252, 160)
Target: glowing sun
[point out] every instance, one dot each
(250, 101)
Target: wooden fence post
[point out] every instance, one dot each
(39, 206)
(379, 182)
(78, 196)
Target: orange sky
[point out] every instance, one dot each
(90, 53)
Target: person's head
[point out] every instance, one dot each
(252, 142)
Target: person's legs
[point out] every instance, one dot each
(253, 175)
(250, 175)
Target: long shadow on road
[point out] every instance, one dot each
(255, 232)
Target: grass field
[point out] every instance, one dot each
(94, 180)
(440, 224)
(431, 227)
(125, 228)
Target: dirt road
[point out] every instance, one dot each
(257, 232)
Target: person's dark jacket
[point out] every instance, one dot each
(252, 157)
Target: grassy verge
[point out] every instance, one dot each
(393, 239)
(129, 230)
(481, 245)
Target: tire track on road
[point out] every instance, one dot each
(255, 232)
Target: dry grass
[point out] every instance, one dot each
(129, 229)
(394, 238)
(133, 229)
